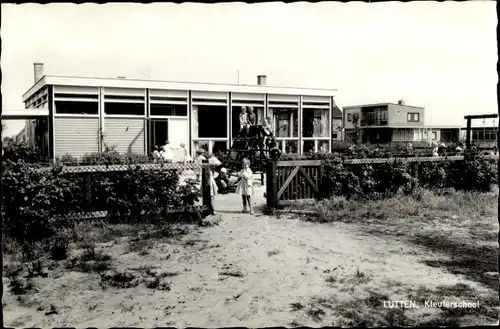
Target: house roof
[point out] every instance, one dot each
(381, 104)
(336, 112)
(173, 85)
(20, 114)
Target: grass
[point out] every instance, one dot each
(459, 229)
(462, 226)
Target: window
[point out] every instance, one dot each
(349, 117)
(315, 123)
(211, 121)
(291, 147)
(324, 146)
(168, 109)
(69, 107)
(334, 135)
(219, 146)
(434, 135)
(286, 123)
(413, 117)
(235, 117)
(308, 146)
(124, 108)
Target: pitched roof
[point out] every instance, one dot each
(336, 112)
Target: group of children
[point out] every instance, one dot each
(220, 183)
(165, 153)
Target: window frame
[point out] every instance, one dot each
(411, 115)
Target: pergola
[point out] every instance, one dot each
(469, 119)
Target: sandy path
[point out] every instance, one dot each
(272, 263)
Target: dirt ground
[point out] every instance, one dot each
(256, 271)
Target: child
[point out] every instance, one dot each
(222, 180)
(214, 163)
(156, 154)
(251, 116)
(199, 160)
(245, 185)
(167, 153)
(243, 120)
(267, 129)
(185, 154)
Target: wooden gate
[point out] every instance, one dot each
(294, 180)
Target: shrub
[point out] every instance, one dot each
(474, 173)
(37, 203)
(23, 151)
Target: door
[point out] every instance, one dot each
(159, 133)
(178, 132)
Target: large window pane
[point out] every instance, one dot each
(315, 123)
(212, 121)
(124, 108)
(308, 146)
(168, 109)
(286, 123)
(324, 146)
(69, 107)
(219, 146)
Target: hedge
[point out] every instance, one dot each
(37, 203)
(474, 173)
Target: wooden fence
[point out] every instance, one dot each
(289, 181)
(292, 181)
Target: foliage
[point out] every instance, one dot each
(358, 133)
(37, 203)
(372, 181)
(23, 151)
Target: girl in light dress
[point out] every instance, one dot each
(245, 186)
(185, 153)
(214, 190)
(199, 160)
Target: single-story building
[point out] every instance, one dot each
(89, 114)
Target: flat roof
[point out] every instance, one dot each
(381, 104)
(20, 114)
(414, 127)
(173, 85)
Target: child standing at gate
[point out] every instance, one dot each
(245, 185)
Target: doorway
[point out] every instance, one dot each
(158, 133)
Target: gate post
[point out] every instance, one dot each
(87, 190)
(271, 184)
(321, 193)
(205, 187)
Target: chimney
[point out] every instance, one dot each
(401, 102)
(261, 80)
(38, 71)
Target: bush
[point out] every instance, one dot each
(474, 173)
(38, 203)
(23, 151)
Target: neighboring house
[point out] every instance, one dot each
(337, 123)
(395, 122)
(22, 136)
(483, 136)
(88, 114)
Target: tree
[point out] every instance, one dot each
(357, 129)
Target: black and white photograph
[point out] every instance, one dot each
(251, 165)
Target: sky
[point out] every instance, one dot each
(438, 55)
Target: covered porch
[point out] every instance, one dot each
(37, 128)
